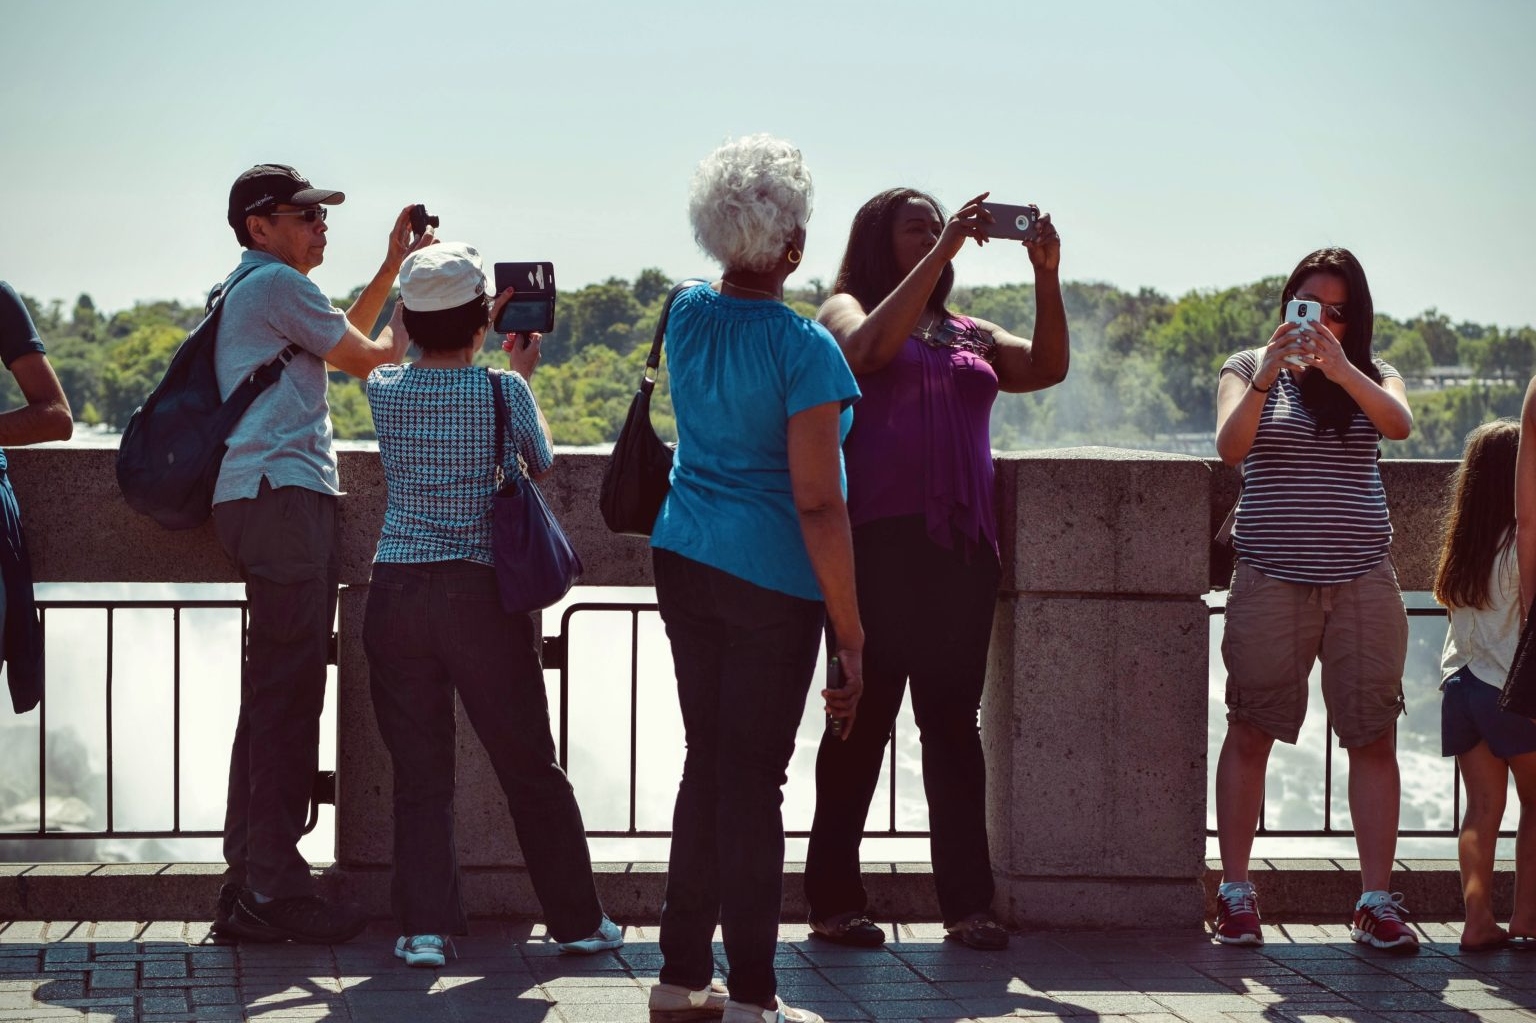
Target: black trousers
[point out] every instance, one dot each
(927, 617)
(431, 629)
(744, 657)
(284, 542)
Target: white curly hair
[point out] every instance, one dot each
(746, 200)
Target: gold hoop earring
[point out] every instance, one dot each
(793, 255)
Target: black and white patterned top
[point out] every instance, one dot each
(1313, 510)
(437, 440)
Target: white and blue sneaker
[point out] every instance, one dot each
(607, 936)
(420, 950)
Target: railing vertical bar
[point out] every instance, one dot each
(634, 711)
(564, 739)
(1456, 795)
(1328, 777)
(891, 742)
(42, 737)
(111, 792)
(176, 719)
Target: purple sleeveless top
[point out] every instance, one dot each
(921, 442)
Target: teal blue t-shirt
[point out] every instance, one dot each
(739, 369)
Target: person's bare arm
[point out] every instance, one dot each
(870, 338)
(364, 312)
(1240, 404)
(815, 477)
(1525, 497)
(1032, 364)
(46, 415)
(357, 354)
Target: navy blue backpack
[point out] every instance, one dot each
(169, 458)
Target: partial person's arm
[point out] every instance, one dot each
(1384, 404)
(1240, 403)
(1032, 365)
(1525, 498)
(358, 354)
(46, 415)
(870, 339)
(815, 478)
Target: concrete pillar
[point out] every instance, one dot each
(1094, 719)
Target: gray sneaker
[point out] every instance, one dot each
(673, 1003)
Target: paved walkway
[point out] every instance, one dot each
(121, 972)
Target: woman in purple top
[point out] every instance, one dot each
(925, 540)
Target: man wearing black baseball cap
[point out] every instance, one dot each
(275, 512)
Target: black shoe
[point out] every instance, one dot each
(851, 928)
(228, 893)
(979, 931)
(309, 919)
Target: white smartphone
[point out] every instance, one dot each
(1305, 312)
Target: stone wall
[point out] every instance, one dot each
(1095, 715)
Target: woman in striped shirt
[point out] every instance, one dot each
(1302, 417)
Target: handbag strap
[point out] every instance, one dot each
(499, 401)
(653, 360)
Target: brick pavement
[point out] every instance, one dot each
(122, 972)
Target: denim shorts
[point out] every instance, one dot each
(1469, 714)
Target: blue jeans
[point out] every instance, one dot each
(430, 629)
(744, 657)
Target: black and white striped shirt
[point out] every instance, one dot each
(1313, 510)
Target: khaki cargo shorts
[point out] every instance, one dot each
(1275, 631)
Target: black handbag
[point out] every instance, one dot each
(535, 563)
(639, 470)
(1519, 695)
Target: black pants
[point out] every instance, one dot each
(744, 657)
(431, 629)
(284, 542)
(927, 618)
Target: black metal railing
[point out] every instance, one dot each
(556, 651)
(557, 656)
(1328, 830)
(324, 785)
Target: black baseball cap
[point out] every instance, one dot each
(267, 184)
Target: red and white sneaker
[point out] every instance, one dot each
(1379, 922)
(1237, 914)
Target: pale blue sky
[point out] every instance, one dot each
(1179, 145)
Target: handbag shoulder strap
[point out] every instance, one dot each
(501, 423)
(653, 360)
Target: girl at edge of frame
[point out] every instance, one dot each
(1478, 581)
(1302, 416)
(921, 490)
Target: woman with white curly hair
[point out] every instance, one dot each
(753, 557)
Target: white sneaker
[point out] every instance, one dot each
(420, 949)
(607, 936)
(742, 1012)
(673, 1003)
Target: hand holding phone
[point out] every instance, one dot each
(1019, 223)
(533, 307)
(1304, 312)
(845, 684)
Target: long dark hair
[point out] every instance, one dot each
(869, 271)
(1479, 520)
(1329, 403)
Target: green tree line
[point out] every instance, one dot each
(1144, 364)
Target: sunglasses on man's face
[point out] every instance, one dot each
(310, 215)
